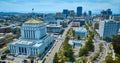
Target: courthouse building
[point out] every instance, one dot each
(34, 39)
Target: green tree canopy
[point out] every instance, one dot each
(109, 59)
(116, 43)
(39, 55)
(55, 60)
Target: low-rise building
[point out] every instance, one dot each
(4, 29)
(80, 31)
(77, 43)
(54, 28)
(81, 20)
(95, 25)
(75, 24)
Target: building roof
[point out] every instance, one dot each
(80, 29)
(54, 25)
(31, 43)
(33, 21)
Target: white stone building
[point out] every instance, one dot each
(34, 39)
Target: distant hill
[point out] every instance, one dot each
(10, 13)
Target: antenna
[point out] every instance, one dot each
(33, 13)
(32, 10)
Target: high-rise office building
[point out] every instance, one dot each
(106, 13)
(65, 12)
(108, 28)
(85, 14)
(90, 13)
(79, 11)
(72, 13)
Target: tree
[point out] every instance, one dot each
(82, 60)
(83, 51)
(107, 39)
(8, 30)
(55, 60)
(109, 59)
(3, 57)
(89, 45)
(117, 58)
(116, 43)
(73, 33)
(67, 51)
(79, 37)
(101, 47)
(39, 55)
(46, 48)
(7, 51)
(16, 31)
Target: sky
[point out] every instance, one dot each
(47, 6)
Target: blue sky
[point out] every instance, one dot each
(58, 5)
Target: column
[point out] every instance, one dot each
(17, 49)
(13, 49)
(32, 52)
(32, 35)
(21, 50)
(24, 50)
(28, 33)
(35, 51)
(10, 48)
(24, 34)
(29, 51)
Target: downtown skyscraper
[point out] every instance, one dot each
(79, 11)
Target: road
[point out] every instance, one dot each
(103, 54)
(96, 48)
(104, 50)
(56, 47)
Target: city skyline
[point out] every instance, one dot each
(52, 6)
